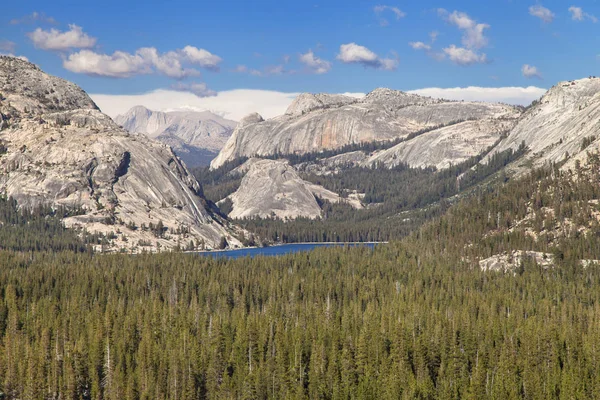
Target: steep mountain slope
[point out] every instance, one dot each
(321, 122)
(446, 146)
(61, 150)
(195, 136)
(560, 126)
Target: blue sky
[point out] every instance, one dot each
(290, 47)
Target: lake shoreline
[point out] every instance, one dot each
(282, 244)
(280, 249)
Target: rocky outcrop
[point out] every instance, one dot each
(509, 262)
(564, 124)
(195, 136)
(320, 122)
(62, 151)
(334, 164)
(272, 188)
(444, 147)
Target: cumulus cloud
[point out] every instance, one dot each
(74, 38)
(145, 60)
(198, 88)
(462, 56)
(510, 95)
(232, 104)
(473, 39)
(433, 35)
(542, 13)
(169, 63)
(353, 53)
(117, 65)
(381, 9)
(577, 14)
(314, 64)
(473, 33)
(201, 57)
(419, 46)
(33, 17)
(529, 71)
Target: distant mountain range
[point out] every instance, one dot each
(196, 137)
(407, 129)
(317, 122)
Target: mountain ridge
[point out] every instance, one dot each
(316, 122)
(60, 150)
(196, 136)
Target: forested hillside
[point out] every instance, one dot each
(40, 229)
(413, 319)
(398, 200)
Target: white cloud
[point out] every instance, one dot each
(198, 88)
(420, 46)
(145, 60)
(169, 64)
(236, 104)
(462, 56)
(577, 14)
(433, 35)
(241, 69)
(529, 71)
(542, 13)
(510, 95)
(473, 33)
(201, 57)
(473, 39)
(380, 9)
(314, 63)
(33, 17)
(74, 38)
(233, 104)
(118, 65)
(352, 53)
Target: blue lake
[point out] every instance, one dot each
(278, 250)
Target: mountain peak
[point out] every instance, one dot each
(571, 92)
(26, 89)
(60, 150)
(307, 102)
(394, 97)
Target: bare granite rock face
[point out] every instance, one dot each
(334, 164)
(509, 262)
(321, 122)
(195, 136)
(556, 127)
(63, 151)
(272, 188)
(444, 147)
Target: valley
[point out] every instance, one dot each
(484, 284)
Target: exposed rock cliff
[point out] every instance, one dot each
(272, 188)
(195, 136)
(444, 147)
(560, 124)
(63, 151)
(320, 122)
